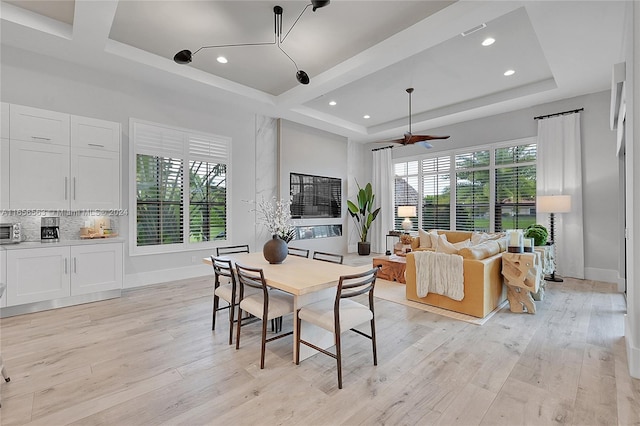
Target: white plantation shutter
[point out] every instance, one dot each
(489, 188)
(180, 187)
(436, 182)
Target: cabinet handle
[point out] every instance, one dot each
(96, 144)
(41, 138)
(66, 181)
(74, 187)
(75, 265)
(65, 266)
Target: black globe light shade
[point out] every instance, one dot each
(317, 4)
(302, 77)
(183, 57)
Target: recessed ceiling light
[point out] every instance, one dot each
(366, 117)
(332, 103)
(222, 59)
(509, 72)
(488, 41)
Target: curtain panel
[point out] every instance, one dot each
(559, 172)
(383, 180)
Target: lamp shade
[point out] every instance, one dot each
(553, 204)
(406, 211)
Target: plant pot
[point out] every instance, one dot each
(275, 250)
(364, 248)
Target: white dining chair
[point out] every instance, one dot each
(294, 251)
(265, 303)
(341, 314)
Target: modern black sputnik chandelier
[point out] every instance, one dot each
(186, 56)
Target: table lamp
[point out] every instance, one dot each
(553, 204)
(407, 212)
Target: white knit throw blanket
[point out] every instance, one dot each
(439, 273)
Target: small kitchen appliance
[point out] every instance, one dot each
(50, 229)
(10, 233)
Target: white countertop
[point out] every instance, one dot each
(62, 243)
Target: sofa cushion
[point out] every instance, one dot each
(481, 251)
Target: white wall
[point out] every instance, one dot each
(47, 83)
(315, 152)
(601, 198)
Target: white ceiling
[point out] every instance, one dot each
(361, 54)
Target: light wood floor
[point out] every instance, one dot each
(150, 358)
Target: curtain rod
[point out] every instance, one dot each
(558, 113)
(384, 147)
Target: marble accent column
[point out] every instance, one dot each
(267, 167)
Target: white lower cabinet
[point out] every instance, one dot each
(41, 274)
(34, 275)
(96, 268)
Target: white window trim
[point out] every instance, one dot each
(134, 249)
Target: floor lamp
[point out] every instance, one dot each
(553, 204)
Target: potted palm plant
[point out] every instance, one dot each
(363, 215)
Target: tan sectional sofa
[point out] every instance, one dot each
(483, 284)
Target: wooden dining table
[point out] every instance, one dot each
(308, 280)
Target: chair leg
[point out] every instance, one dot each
(339, 358)
(232, 310)
(264, 342)
(373, 341)
(216, 303)
(239, 326)
(297, 337)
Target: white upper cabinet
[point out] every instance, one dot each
(39, 125)
(95, 134)
(39, 176)
(95, 182)
(60, 161)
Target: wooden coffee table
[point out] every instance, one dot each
(392, 267)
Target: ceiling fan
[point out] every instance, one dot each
(411, 139)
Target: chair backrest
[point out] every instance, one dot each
(244, 248)
(251, 277)
(294, 251)
(328, 257)
(223, 268)
(355, 285)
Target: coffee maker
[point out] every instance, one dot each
(50, 229)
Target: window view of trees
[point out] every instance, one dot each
(207, 201)
(159, 200)
(495, 189)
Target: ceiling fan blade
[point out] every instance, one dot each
(419, 138)
(424, 144)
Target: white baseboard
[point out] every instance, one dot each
(165, 275)
(604, 275)
(633, 350)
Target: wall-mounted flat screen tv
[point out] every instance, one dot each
(315, 196)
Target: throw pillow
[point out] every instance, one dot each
(425, 239)
(435, 237)
(481, 251)
(444, 246)
(479, 238)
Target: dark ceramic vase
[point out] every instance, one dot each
(275, 250)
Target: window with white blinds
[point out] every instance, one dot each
(472, 191)
(490, 189)
(180, 191)
(515, 187)
(436, 200)
(406, 190)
